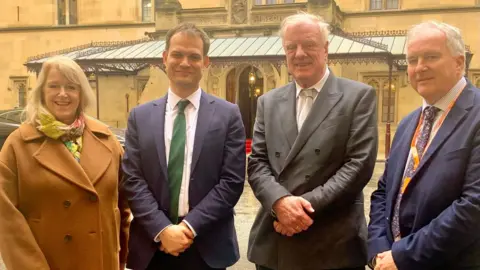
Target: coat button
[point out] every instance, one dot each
(307, 176)
(317, 151)
(277, 154)
(67, 204)
(67, 238)
(92, 198)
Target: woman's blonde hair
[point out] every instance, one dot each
(72, 72)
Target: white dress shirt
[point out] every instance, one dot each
(442, 105)
(191, 115)
(301, 99)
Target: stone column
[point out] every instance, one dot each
(166, 14)
(322, 8)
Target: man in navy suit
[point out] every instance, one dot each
(425, 213)
(184, 167)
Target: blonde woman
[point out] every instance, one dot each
(59, 179)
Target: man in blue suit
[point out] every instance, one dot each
(425, 213)
(184, 167)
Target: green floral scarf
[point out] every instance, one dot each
(70, 135)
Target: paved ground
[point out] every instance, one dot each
(246, 210)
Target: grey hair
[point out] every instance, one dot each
(455, 43)
(72, 72)
(305, 17)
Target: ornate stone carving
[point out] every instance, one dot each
(239, 11)
(219, 63)
(269, 18)
(206, 20)
(167, 5)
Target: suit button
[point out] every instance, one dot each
(277, 154)
(67, 238)
(317, 151)
(307, 176)
(67, 204)
(92, 198)
(191, 179)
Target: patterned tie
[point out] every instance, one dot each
(308, 94)
(422, 141)
(176, 159)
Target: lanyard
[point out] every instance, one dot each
(413, 145)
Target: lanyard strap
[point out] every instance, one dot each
(413, 146)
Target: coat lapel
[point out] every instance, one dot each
(96, 157)
(55, 157)
(157, 121)
(205, 114)
(325, 101)
(287, 113)
(453, 119)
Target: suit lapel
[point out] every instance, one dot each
(325, 101)
(399, 156)
(96, 156)
(453, 119)
(157, 122)
(287, 113)
(205, 114)
(55, 157)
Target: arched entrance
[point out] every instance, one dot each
(245, 92)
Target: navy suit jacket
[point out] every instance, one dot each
(440, 209)
(216, 181)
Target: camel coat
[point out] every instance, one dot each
(56, 213)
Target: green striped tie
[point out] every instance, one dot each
(176, 159)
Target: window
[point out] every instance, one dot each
(65, 7)
(384, 4)
(386, 101)
(147, 11)
(258, 2)
(477, 2)
(72, 12)
(289, 1)
(392, 4)
(271, 2)
(62, 11)
(19, 85)
(380, 84)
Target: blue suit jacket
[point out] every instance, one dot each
(440, 209)
(216, 181)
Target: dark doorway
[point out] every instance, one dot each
(250, 88)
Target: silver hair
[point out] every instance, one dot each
(72, 72)
(303, 17)
(455, 43)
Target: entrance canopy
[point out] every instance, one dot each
(132, 56)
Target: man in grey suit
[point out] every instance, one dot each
(314, 150)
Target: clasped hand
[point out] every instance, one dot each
(292, 214)
(175, 239)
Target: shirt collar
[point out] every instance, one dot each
(318, 86)
(194, 98)
(445, 101)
